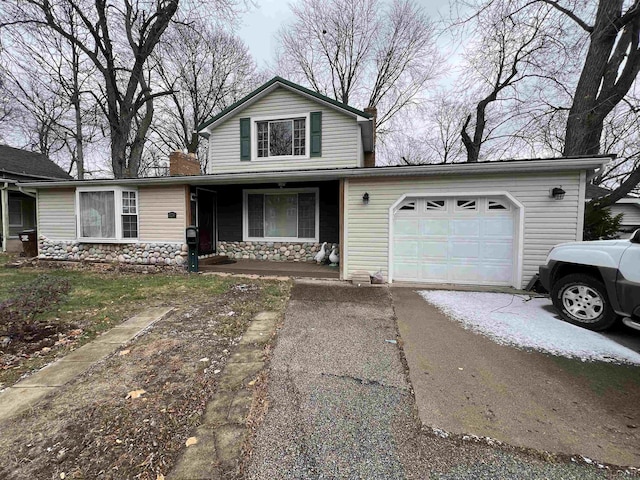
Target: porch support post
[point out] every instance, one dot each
(4, 204)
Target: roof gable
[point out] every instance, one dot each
(23, 163)
(267, 88)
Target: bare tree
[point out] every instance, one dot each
(360, 51)
(206, 69)
(118, 37)
(443, 137)
(427, 134)
(604, 37)
(509, 52)
(51, 81)
(5, 104)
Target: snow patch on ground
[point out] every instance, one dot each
(526, 322)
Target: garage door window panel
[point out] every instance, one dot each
(408, 207)
(466, 205)
(498, 206)
(435, 205)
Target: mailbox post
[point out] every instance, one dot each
(192, 244)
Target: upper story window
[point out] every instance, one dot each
(107, 214)
(281, 138)
(296, 136)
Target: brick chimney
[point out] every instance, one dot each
(370, 157)
(183, 164)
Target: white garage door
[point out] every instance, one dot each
(466, 240)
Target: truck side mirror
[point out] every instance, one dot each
(635, 238)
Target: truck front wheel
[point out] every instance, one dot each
(582, 300)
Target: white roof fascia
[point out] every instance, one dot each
(524, 166)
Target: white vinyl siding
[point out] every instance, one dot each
(630, 213)
(547, 222)
(339, 136)
(154, 205)
(57, 213)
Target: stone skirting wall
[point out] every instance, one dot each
(164, 253)
(275, 251)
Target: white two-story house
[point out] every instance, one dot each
(289, 169)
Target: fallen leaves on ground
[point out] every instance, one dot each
(135, 393)
(191, 441)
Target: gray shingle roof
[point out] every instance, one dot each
(24, 163)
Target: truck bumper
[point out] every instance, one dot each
(545, 276)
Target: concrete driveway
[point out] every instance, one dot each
(340, 404)
(337, 389)
(466, 384)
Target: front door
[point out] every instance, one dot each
(207, 221)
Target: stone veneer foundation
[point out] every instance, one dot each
(151, 253)
(278, 251)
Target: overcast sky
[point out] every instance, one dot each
(262, 22)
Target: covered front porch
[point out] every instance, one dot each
(17, 214)
(282, 222)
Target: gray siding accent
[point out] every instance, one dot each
(57, 213)
(630, 213)
(547, 222)
(154, 205)
(339, 136)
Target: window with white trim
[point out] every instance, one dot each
(107, 214)
(274, 138)
(281, 215)
(280, 138)
(15, 212)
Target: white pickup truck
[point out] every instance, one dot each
(592, 284)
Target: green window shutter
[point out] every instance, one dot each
(245, 139)
(316, 134)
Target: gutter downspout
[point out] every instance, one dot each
(28, 194)
(4, 205)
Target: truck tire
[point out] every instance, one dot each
(582, 299)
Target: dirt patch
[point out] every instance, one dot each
(93, 430)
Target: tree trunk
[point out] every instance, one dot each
(473, 150)
(585, 121)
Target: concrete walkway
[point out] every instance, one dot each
(223, 431)
(337, 389)
(23, 395)
(467, 384)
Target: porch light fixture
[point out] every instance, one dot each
(281, 184)
(557, 193)
(365, 198)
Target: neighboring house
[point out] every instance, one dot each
(628, 206)
(17, 204)
(290, 169)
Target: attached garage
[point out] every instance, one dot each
(490, 223)
(467, 239)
